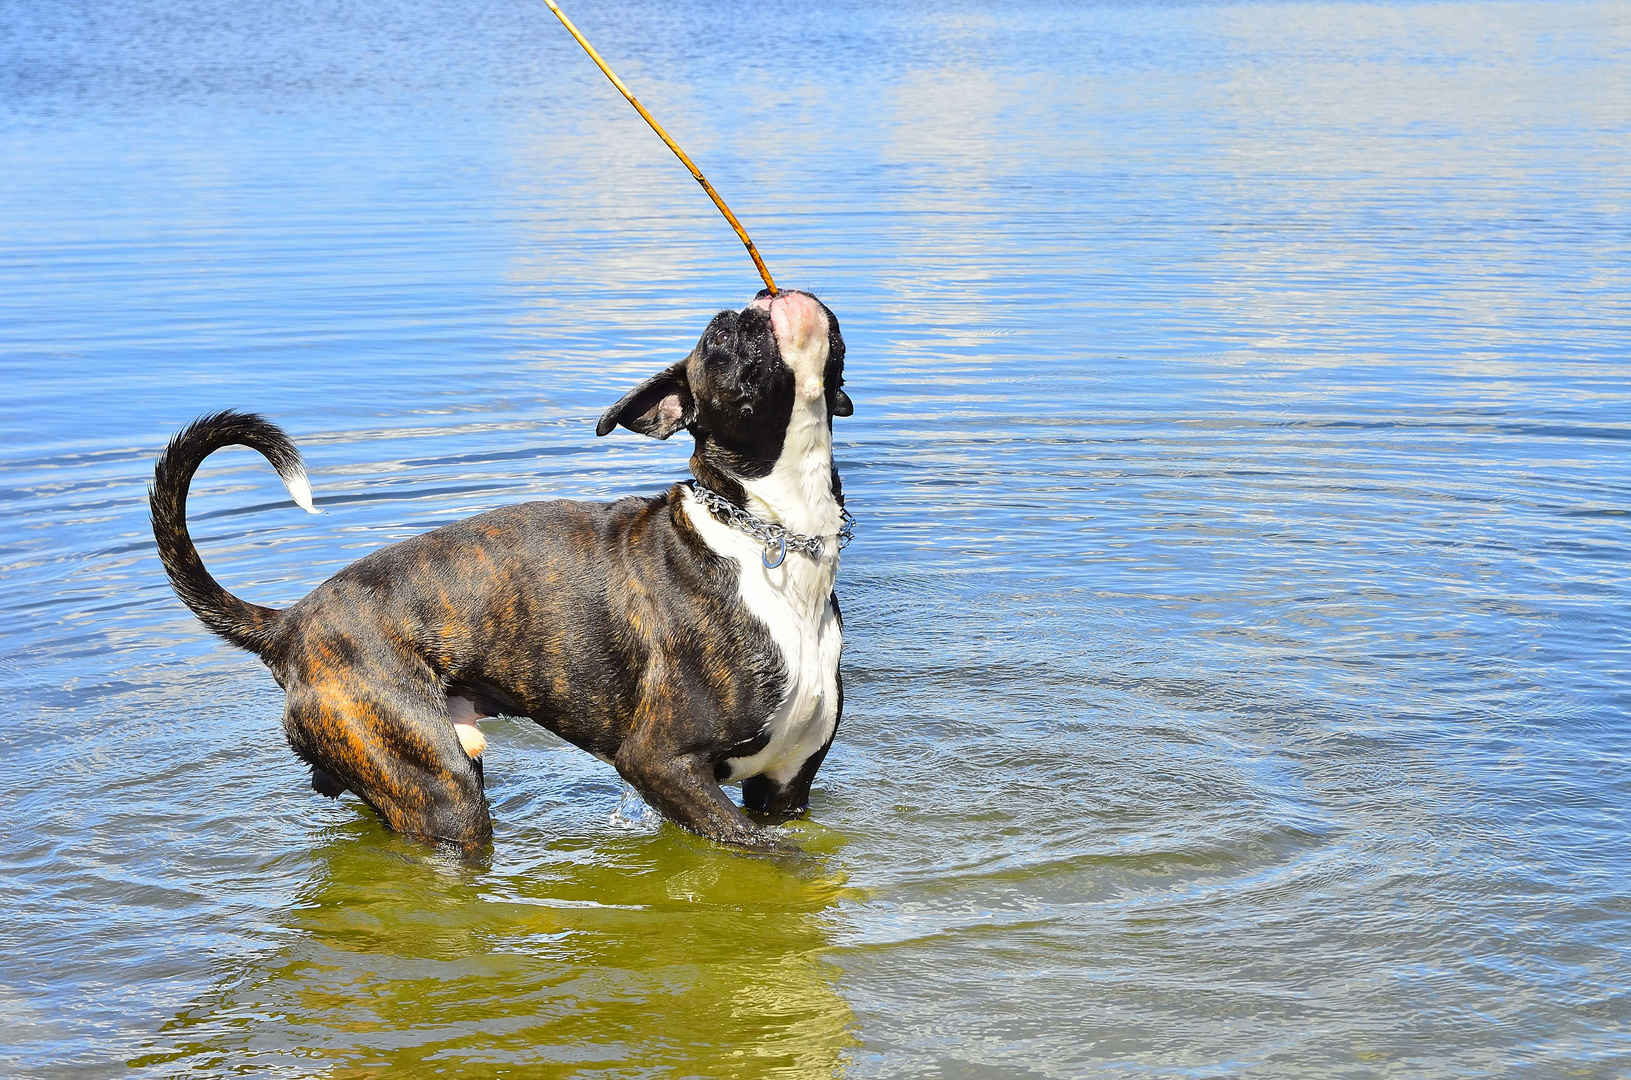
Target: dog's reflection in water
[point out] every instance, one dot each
(628, 953)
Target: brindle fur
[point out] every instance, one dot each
(613, 625)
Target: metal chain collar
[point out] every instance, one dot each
(775, 539)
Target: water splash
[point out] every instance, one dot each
(632, 814)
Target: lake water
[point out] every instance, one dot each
(1238, 655)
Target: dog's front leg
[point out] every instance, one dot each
(681, 786)
(783, 800)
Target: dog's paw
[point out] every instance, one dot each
(763, 841)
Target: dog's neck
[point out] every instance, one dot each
(799, 489)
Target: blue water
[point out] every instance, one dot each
(1238, 661)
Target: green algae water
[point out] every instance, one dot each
(394, 962)
(1237, 666)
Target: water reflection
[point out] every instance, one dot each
(650, 953)
(1236, 661)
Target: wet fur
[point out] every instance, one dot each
(637, 630)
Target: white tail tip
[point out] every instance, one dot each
(300, 491)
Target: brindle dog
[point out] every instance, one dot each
(651, 632)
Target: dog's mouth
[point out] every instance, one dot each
(795, 315)
(799, 325)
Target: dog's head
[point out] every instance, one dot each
(739, 388)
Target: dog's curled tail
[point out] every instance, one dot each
(246, 625)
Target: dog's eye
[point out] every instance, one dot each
(719, 338)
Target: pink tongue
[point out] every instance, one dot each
(795, 317)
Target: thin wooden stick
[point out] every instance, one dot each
(672, 145)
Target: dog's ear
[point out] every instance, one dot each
(657, 407)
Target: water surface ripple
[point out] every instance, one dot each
(1238, 662)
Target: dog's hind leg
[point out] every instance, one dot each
(390, 742)
(324, 784)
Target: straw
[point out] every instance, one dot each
(672, 145)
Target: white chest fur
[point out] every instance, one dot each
(793, 600)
